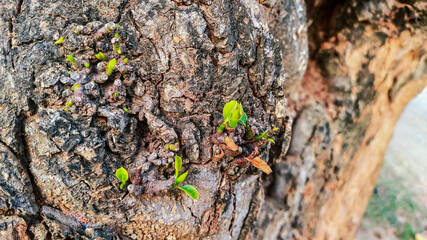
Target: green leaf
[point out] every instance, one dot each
(234, 119)
(126, 60)
(271, 140)
(101, 56)
(241, 112)
(123, 185)
(262, 135)
(70, 58)
(110, 67)
(233, 123)
(59, 41)
(75, 87)
(126, 110)
(69, 103)
(243, 119)
(181, 178)
(178, 165)
(229, 109)
(122, 174)
(87, 65)
(191, 191)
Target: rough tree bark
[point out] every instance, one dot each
(186, 59)
(367, 60)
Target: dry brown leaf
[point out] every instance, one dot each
(230, 144)
(260, 164)
(219, 156)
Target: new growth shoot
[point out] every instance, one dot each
(188, 189)
(233, 114)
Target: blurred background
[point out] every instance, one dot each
(398, 206)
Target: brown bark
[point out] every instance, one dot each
(367, 61)
(186, 60)
(70, 126)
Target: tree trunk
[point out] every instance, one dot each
(367, 60)
(186, 60)
(67, 127)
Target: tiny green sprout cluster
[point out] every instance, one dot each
(72, 60)
(266, 135)
(116, 44)
(101, 56)
(241, 147)
(123, 176)
(188, 189)
(233, 114)
(172, 147)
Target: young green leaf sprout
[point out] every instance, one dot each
(126, 110)
(87, 64)
(188, 189)
(59, 41)
(233, 114)
(116, 44)
(123, 176)
(172, 147)
(110, 67)
(75, 87)
(70, 59)
(69, 103)
(266, 135)
(101, 56)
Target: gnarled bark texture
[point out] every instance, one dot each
(187, 58)
(367, 60)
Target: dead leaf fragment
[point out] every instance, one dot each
(260, 164)
(230, 144)
(219, 156)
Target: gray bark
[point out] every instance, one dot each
(186, 60)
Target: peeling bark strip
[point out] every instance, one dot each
(80, 122)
